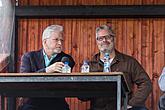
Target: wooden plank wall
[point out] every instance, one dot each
(141, 38)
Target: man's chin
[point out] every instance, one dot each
(57, 51)
(105, 50)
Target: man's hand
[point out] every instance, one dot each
(56, 67)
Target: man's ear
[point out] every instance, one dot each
(44, 42)
(96, 42)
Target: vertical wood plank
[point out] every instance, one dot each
(130, 37)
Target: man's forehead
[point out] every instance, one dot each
(57, 34)
(103, 33)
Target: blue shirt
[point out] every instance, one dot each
(161, 80)
(47, 60)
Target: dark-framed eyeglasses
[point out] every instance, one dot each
(107, 37)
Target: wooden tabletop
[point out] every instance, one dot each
(61, 74)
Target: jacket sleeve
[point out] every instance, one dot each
(161, 80)
(144, 85)
(27, 66)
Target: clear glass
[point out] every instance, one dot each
(66, 68)
(85, 67)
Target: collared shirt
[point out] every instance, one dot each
(47, 60)
(161, 80)
(110, 61)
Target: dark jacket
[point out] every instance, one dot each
(134, 74)
(34, 62)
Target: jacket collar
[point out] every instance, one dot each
(41, 60)
(40, 57)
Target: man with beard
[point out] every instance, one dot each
(119, 62)
(46, 60)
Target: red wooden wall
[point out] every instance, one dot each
(141, 38)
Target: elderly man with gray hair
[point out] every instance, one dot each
(46, 60)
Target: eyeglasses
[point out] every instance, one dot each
(107, 37)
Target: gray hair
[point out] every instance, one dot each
(105, 27)
(52, 28)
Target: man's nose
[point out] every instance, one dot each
(104, 39)
(59, 42)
